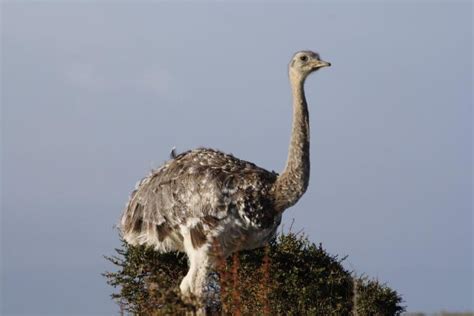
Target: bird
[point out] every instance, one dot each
(204, 197)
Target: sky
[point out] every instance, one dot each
(96, 93)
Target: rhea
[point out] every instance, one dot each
(203, 197)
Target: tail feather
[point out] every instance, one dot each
(137, 231)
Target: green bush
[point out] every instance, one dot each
(374, 298)
(291, 276)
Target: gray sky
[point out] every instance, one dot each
(94, 94)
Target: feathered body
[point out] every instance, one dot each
(207, 194)
(209, 204)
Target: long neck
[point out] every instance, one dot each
(293, 181)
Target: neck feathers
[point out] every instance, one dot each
(293, 181)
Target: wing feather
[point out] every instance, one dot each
(204, 184)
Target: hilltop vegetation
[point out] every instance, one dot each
(291, 276)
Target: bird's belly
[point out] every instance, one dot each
(259, 238)
(235, 235)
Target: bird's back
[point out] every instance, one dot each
(203, 186)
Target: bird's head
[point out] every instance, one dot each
(305, 62)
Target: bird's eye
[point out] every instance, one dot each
(304, 58)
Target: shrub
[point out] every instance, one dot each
(375, 298)
(291, 276)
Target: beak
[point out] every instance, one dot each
(320, 64)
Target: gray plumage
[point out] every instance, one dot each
(203, 197)
(201, 184)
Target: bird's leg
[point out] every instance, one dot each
(202, 269)
(193, 283)
(186, 285)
